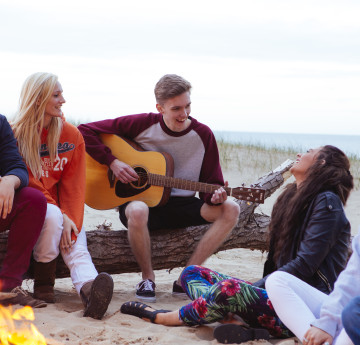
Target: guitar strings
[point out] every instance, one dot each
(194, 185)
(144, 175)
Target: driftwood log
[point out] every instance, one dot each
(110, 250)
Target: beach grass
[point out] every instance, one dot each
(355, 170)
(260, 159)
(75, 122)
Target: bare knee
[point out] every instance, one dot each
(231, 211)
(137, 214)
(227, 213)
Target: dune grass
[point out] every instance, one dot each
(355, 170)
(260, 159)
(75, 122)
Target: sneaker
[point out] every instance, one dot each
(145, 290)
(22, 297)
(177, 290)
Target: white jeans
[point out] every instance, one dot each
(298, 304)
(78, 259)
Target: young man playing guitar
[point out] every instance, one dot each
(194, 150)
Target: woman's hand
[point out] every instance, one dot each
(316, 336)
(68, 226)
(8, 184)
(219, 195)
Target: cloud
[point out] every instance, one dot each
(256, 65)
(276, 30)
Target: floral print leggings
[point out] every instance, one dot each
(215, 295)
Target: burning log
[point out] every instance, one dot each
(111, 252)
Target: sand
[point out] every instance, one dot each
(62, 323)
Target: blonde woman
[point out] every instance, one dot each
(54, 152)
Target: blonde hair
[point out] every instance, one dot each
(28, 122)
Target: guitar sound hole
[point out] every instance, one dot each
(143, 178)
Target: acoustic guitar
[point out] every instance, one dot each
(155, 171)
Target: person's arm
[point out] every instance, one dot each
(127, 126)
(13, 172)
(71, 188)
(346, 287)
(322, 231)
(211, 170)
(11, 162)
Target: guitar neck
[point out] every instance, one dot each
(173, 182)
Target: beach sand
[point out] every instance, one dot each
(62, 323)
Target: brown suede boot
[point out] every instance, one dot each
(19, 296)
(44, 280)
(96, 295)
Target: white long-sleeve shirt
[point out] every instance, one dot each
(347, 287)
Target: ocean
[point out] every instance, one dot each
(350, 144)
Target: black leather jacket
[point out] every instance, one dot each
(320, 247)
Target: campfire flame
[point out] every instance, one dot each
(15, 328)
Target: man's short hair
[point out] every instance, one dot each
(169, 86)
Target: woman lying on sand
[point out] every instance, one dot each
(54, 152)
(320, 318)
(309, 237)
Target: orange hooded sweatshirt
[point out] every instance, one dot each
(63, 183)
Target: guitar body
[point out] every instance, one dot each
(102, 193)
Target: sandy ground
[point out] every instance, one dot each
(63, 321)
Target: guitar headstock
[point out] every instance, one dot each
(249, 194)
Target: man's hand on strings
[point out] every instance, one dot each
(123, 172)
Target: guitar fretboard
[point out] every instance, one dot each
(173, 182)
(242, 193)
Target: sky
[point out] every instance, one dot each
(259, 66)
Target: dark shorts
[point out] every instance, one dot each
(179, 212)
